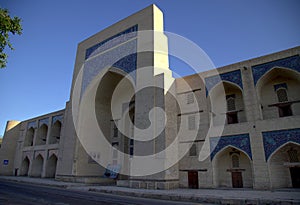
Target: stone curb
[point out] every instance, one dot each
(200, 199)
(172, 197)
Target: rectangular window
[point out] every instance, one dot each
(192, 122)
(285, 110)
(131, 145)
(190, 98)
(232, 117)
(114, 128)
(193, 150)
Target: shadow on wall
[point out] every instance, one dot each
(8, 147)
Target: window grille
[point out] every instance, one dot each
(192, 122)
(282, 95)
(193, 150)
(190, 98)
(293, 155)
(235, 161)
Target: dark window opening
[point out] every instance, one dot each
(285, 110)
(232, 118)
(193, 150)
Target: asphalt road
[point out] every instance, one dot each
(15, 193)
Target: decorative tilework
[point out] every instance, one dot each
(274, 139)
(31, 124)
(112, 41)
(281, 85)
(123, 57)
(44, 121)
(292, 62)
(57, 118)
(233, 77)
(241, 142)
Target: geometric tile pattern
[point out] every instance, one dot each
(274, 139)
(31, 124)
(44, 121)
(118, 51)
(57, 118)
(233, 77)
(292, 62)
(281, 85)
(241, 141)
(112, 41)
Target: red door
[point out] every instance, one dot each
(237, 179)
(193, 179)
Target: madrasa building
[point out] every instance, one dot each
(130, 122)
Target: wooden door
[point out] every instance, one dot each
(295, 175)
(193, 179)
(237, 179)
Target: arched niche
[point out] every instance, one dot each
(270, 88)
(228, 172)
(284, 166)
(226, 104)
(55, 133)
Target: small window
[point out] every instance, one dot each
(193, 150)
(232, 118)
(293, 155)
(285, 110)
(235, 161)
(190, 98)
(131, 147)
(230, 99)
(115, 128)
(192, 122)
(282, 95)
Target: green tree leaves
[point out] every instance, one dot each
(8, 25)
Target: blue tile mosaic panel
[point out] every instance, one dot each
(281, 85)
(233, 77)
(274, 139)
(57, 118)
(292, 62)
(43, 121)
(123, 57)
(241, 142)
(31, 124)
(112, 41)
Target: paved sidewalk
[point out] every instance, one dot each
(215, 196)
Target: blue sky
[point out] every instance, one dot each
(38, 76)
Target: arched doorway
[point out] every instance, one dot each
(284, 166)
(51, 166)
(232, 168)
(37, 166)
(115, 105)
(55, 133)
(25, 167)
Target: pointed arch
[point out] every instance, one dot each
(228, 174)
(25, 166)
(37, 166)
(55, 133)
(284, 173)
(29, 137)
(280, 147)
(42, 135)
(267, 93)
(218, 104)
(51, 166)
